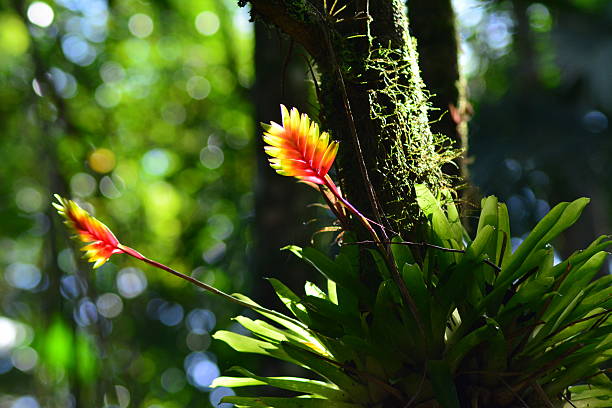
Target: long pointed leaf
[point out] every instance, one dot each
(443, 384)
(275, 402)
(301, 385)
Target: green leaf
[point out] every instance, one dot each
(244, 344)
(431, 208)
(581, 277)
(597, 294)
(574, 283)
(380, 263)
(488, 219)
(495, 357)
(343, 276)
(332, 291)
(266, 331)
(530, 292)
(572, 375)
(591, 395)
(289, 299)
(580, 392)
(329, 319)
(234, 382)
(485, 240)
(504, 248)
(276, 402)
(413, 277)
(495, 214)
(348, 258)
(458, 351)
(557, 220)
(325, 368)
(458, 285)
(576, 327)
(301, 385)
(443, 384)
(313, 290)
(401, 253)
(291, 324)
(361, 346)
(579, 257)
(452, 214)
(393, 328)
(589, 403)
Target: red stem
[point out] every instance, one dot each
(330, 184)
(205, 286)
(364, 220)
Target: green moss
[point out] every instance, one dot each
(400, 108)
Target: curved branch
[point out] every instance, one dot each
(297, 18)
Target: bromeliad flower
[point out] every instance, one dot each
(298, 149)
(101, 242)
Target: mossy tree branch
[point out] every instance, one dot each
(372, 99)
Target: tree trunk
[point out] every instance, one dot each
(433, 24)
(372, 99)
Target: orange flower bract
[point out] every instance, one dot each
(298, 149)
(101, 242)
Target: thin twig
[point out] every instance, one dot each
(568, 400)
(559, 330)
(285, 65)
(314, 78)
(426, 245)
(538, 388)
(599, 322)
(551, 365)
(418, 391)
(495, 373)
(514, 393)
(351, 121)
(332, 207)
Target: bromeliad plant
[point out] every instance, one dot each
(451, 322)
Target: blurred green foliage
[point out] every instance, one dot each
(137, 110)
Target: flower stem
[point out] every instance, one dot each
(364, 220)
(209, 288)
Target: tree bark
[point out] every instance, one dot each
(433, 24)
(372, 100)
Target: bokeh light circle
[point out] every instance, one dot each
(40, 14)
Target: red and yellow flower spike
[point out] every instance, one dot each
(298, 148)
(101, 242)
